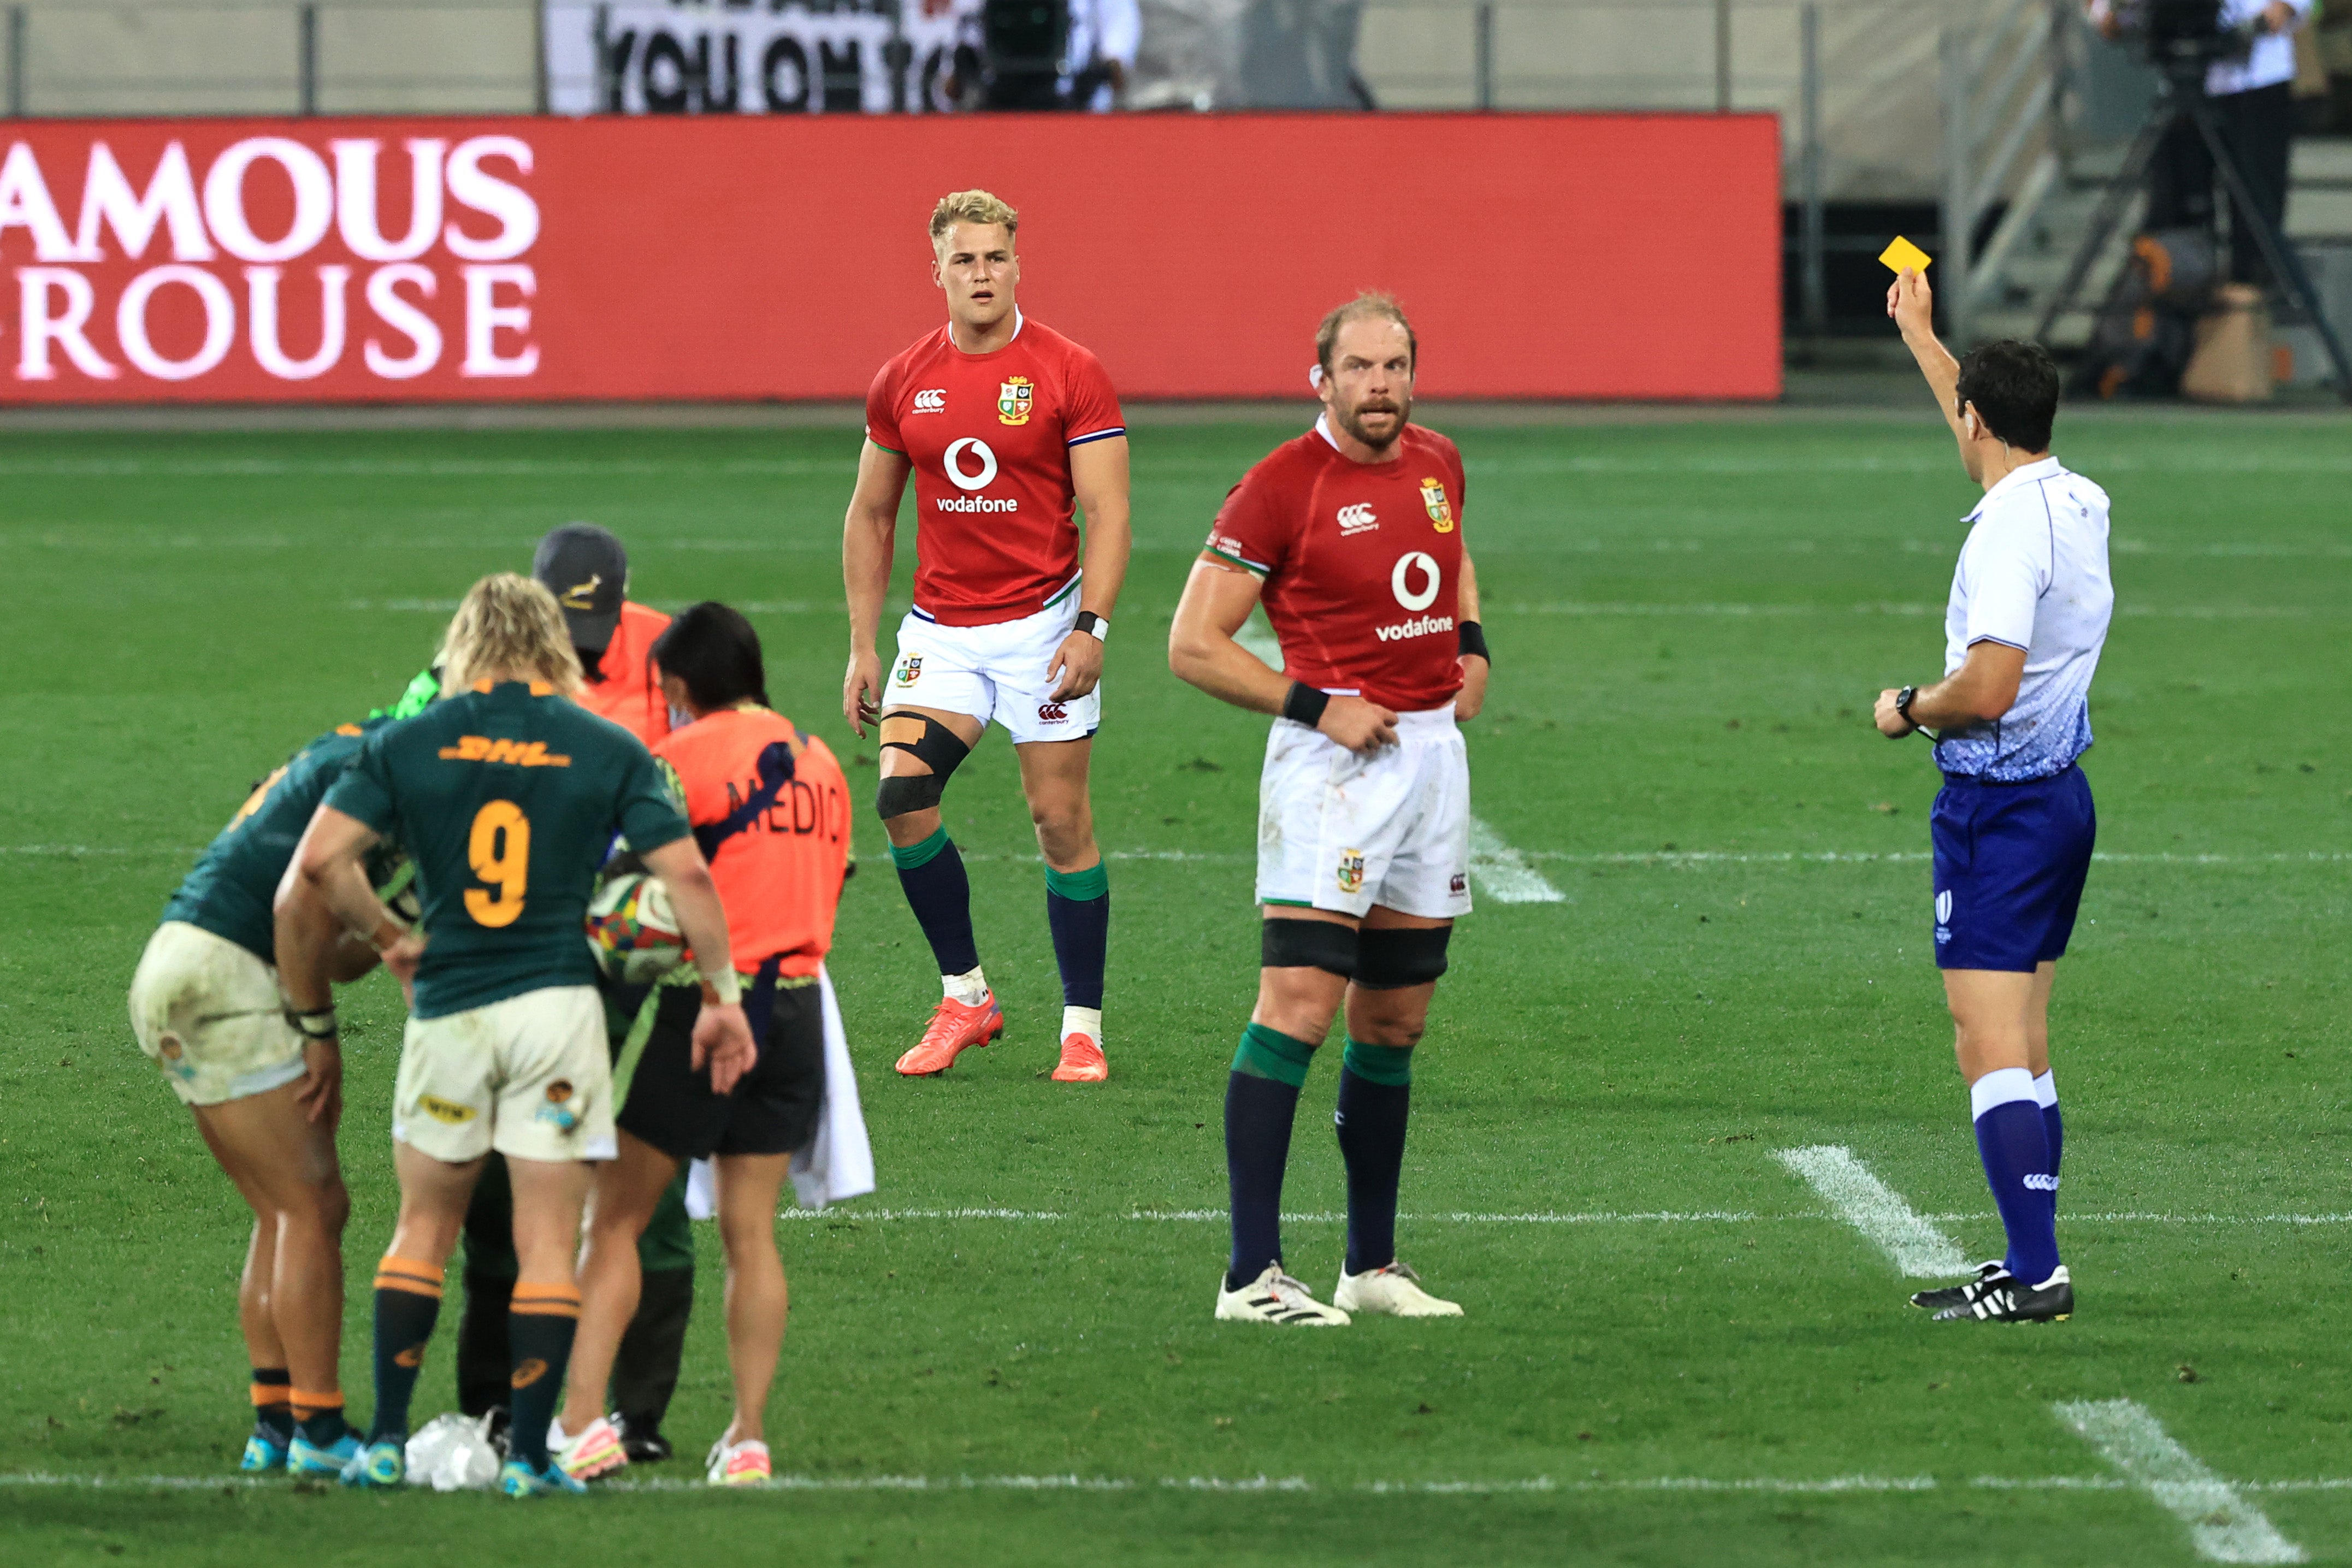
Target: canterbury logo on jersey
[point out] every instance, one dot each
(931, 400)
(519, 754)
(1357, 519)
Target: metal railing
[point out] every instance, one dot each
(2003, 93)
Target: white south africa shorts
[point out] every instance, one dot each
(208, 1013)
(993, 673)
(1343, 832)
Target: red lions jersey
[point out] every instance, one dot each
(990, 438)
(1361, 562)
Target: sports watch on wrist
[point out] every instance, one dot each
(1902, 705)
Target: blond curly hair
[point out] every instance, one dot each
(509, 623)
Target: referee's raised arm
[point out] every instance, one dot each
(1911, 305)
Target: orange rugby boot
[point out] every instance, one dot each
(1082, 1061)
(954, 1028)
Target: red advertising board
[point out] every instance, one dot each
(444, 259)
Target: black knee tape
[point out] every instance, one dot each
(907, 792)
(936, 746)
(1308, 944)
(1392, 957)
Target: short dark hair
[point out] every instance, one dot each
(714, 651)
(2013, 387)
(1371, 304)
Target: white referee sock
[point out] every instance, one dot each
(970, 989)
(1087, 1021)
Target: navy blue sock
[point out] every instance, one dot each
(540, 1327)
(1375, 1098)
(1261, 1101)
(2054, 1127)
(273, 1404)
(408, 1301)
(940, 895)
(1078, 909)
(2016, 1152)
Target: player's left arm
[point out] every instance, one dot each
(1475, 666)
(311, 914)
(1098, 478)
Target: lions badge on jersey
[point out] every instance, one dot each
(1351, 871)
(1014, 399)
(1441, 510)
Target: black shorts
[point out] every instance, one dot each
(774, 1108)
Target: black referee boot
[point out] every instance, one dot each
(1988, 1275)
(2014, 1302)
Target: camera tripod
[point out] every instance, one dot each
(2181, 98)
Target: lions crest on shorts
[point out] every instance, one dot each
(1351, 871)
(1013, 400)
(1441, 510)
(910, 670)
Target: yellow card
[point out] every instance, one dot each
(1903, 253)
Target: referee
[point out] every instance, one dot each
(2013, 825)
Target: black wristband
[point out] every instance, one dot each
(1304, 705)
(1474, 641)
(1092, 624)
(313, 1023)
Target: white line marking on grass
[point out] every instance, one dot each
(1503, 872)
(2223, 1527)
(1919, 1249)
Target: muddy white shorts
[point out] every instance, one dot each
(207, 1012)
(993, 673)
(530, 1076)
(1343, 832)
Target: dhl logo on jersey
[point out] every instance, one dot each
(1441, 510)
(515, 753)
(1014, 398)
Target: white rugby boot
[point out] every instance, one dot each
(1393, 1291)
(1274, 1297)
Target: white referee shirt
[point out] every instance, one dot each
(2032, 575)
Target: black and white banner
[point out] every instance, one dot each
(754, 57)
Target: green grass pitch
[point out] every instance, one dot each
(1690, 619)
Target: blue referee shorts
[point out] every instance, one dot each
(2009, 864)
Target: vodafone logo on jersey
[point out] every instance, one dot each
(982, 475)
(1410, 565)
(244, 264)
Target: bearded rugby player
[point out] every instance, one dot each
(1008, 427)
(1351, 535)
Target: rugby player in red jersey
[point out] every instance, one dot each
(1009, 428)
(1351, 535)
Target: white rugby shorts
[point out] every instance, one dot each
(529, 1076)
(994, 673)
(208, 1013)
(1343, 832)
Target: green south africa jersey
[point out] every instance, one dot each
(507, 801)
(229, 890)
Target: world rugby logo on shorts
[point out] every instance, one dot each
(1944, 916)
(1053, 713)
(1351, 871)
